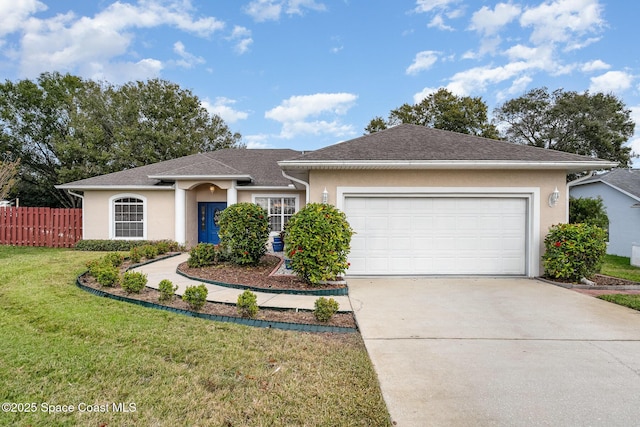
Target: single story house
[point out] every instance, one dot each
(620, 193)
(421, 200)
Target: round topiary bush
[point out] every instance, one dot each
(244, 232)
(318, 242)
(574, 251)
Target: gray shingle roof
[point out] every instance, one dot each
(413, 142)
(627, 180)
(256, 167)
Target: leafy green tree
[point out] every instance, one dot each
(66, 128)
(588, 211)
(596, 125)
(8, 172)
(441, 110)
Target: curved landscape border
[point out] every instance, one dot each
(315, 292)
(287, 326)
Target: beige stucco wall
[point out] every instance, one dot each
(544, 181)
(160, 213)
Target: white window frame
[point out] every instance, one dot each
(112, 216)
(277, 196)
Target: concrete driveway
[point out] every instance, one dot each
(499, 352)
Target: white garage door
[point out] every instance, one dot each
(437, 235)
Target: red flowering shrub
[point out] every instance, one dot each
(574, 251)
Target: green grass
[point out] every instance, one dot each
(631, 301)
(63, 346)
(619, 266)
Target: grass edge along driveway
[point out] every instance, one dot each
(71, 358)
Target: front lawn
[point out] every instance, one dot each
(631, 301)
(619, 266)
(113, 363)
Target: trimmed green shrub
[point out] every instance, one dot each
(588, 211)
(163, 247)
(574, 251)
(325, 309)
(106, 274)
(247, 304)
(318, 242)
(244, 232)
(167, 290)
(149, 251)
(133, 281)
(135, 256)
(114, 258)
(121, 245)
(202, 255)
(195, 296)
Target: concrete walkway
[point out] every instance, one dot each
(499, 352)
(166, 269)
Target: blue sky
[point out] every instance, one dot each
(303, 74)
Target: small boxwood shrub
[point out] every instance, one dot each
(202, 255)
(167, 290)
(318, 242)
(135, 256)
(325, 309)
(574, 251)
(114, 258)
(134, 282)
(195, 296)
(106, 274)
(149, 251)
(247, 304)
(244, 232)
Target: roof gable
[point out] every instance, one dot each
(624, 180)
(254, 167)
(416, 143)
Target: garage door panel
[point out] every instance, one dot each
(437, 235)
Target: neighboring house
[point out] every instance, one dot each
(620, 192)
(421, 200)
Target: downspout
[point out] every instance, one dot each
(299, 181)
(81, 197)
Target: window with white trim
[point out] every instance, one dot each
(279, 208)
(128, 217)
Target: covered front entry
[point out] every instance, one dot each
(208, 215)
(437, 235)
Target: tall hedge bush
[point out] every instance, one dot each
(244, 232)
(574, 251)
(318, 242)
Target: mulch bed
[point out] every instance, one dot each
(256, 276)
(599, 280)
(251, 275)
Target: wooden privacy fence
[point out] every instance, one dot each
(56, 228)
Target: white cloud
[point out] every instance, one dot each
(69, 43)
(438, 22)
(561, 21)
(13, 14)
(123, 71)
(295, 114)
(256, 141)
(476, 79)
(596, 65)
(423, 6)
(188, 60)
(611, 81)
(223, 107)
(423, 61)
(271, 10)
(418, 97)
(488, 22)
(242, 38)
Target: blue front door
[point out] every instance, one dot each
(208, 215)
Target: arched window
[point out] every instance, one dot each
(128, 219)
